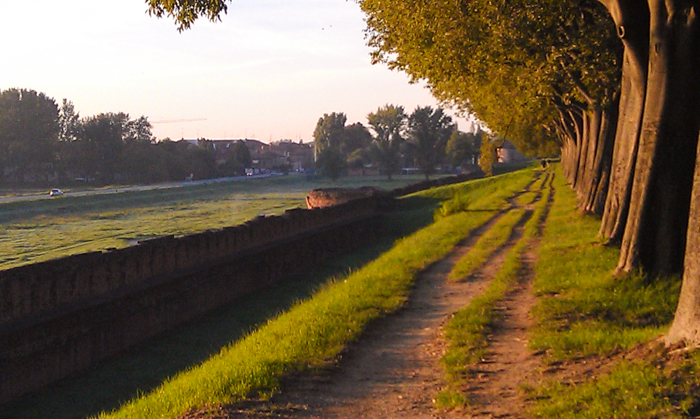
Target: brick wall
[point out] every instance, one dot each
(63, 316)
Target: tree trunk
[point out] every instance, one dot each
(632, 20)
(578, 129)
(601, 164)
(568, 151)
(584, 151)
(595, 120)
(655, 233)
(686, 323)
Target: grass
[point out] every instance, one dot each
(39, 230)
(631, 390)
(585, 311)
(646, 388)
(487, 245)
(314, 331)
(527, 198)
(486, 194)
(466, 332)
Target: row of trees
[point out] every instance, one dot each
(426, 139)
(614, 84)
(42, 142)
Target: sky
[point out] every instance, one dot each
(268, 70)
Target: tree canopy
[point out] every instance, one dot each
(389, 125)
(329, 140)
(186, 12)
(510, 63)
(429, 130)
(41, 142)
(29, 131)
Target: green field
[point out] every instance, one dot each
(39, 230)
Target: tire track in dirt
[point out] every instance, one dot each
(495, 388)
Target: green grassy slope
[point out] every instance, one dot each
(315, 330)
(585, 312)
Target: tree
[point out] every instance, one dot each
(70, 127)
(329, 137)
(662, 192)
(488, 155)
(646, 183)
(359, 158)
(241, 154)
(186, 12)
(462, 148)
(239, 159)
(429, 130)
(331, 163)
(101, 144)
(388, 124)
(137, 130)
(356, 137)
(330, 131)
(29, 132)
(656, 154)
(112, 145)
(536, 72)
(68, 122)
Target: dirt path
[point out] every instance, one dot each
(495, 388)
(394, 370)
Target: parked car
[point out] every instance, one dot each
(55, 192)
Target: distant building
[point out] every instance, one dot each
(299, 156)
(282, 155)
(507, 153)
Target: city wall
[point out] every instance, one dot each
(63, 316)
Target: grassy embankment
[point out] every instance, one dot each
(585, 313)
(314, 331)
(38, 230)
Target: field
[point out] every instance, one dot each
(39, 230)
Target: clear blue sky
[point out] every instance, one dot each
(268, 70)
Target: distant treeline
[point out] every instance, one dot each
(42, 142)
(427, 140)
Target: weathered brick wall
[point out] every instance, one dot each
(63, 316)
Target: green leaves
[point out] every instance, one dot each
(504, 61)
(186, 12)
(329, 137)
(429, 130)
(28, 132)
(389, 126)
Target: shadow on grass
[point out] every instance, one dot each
(145, 367)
